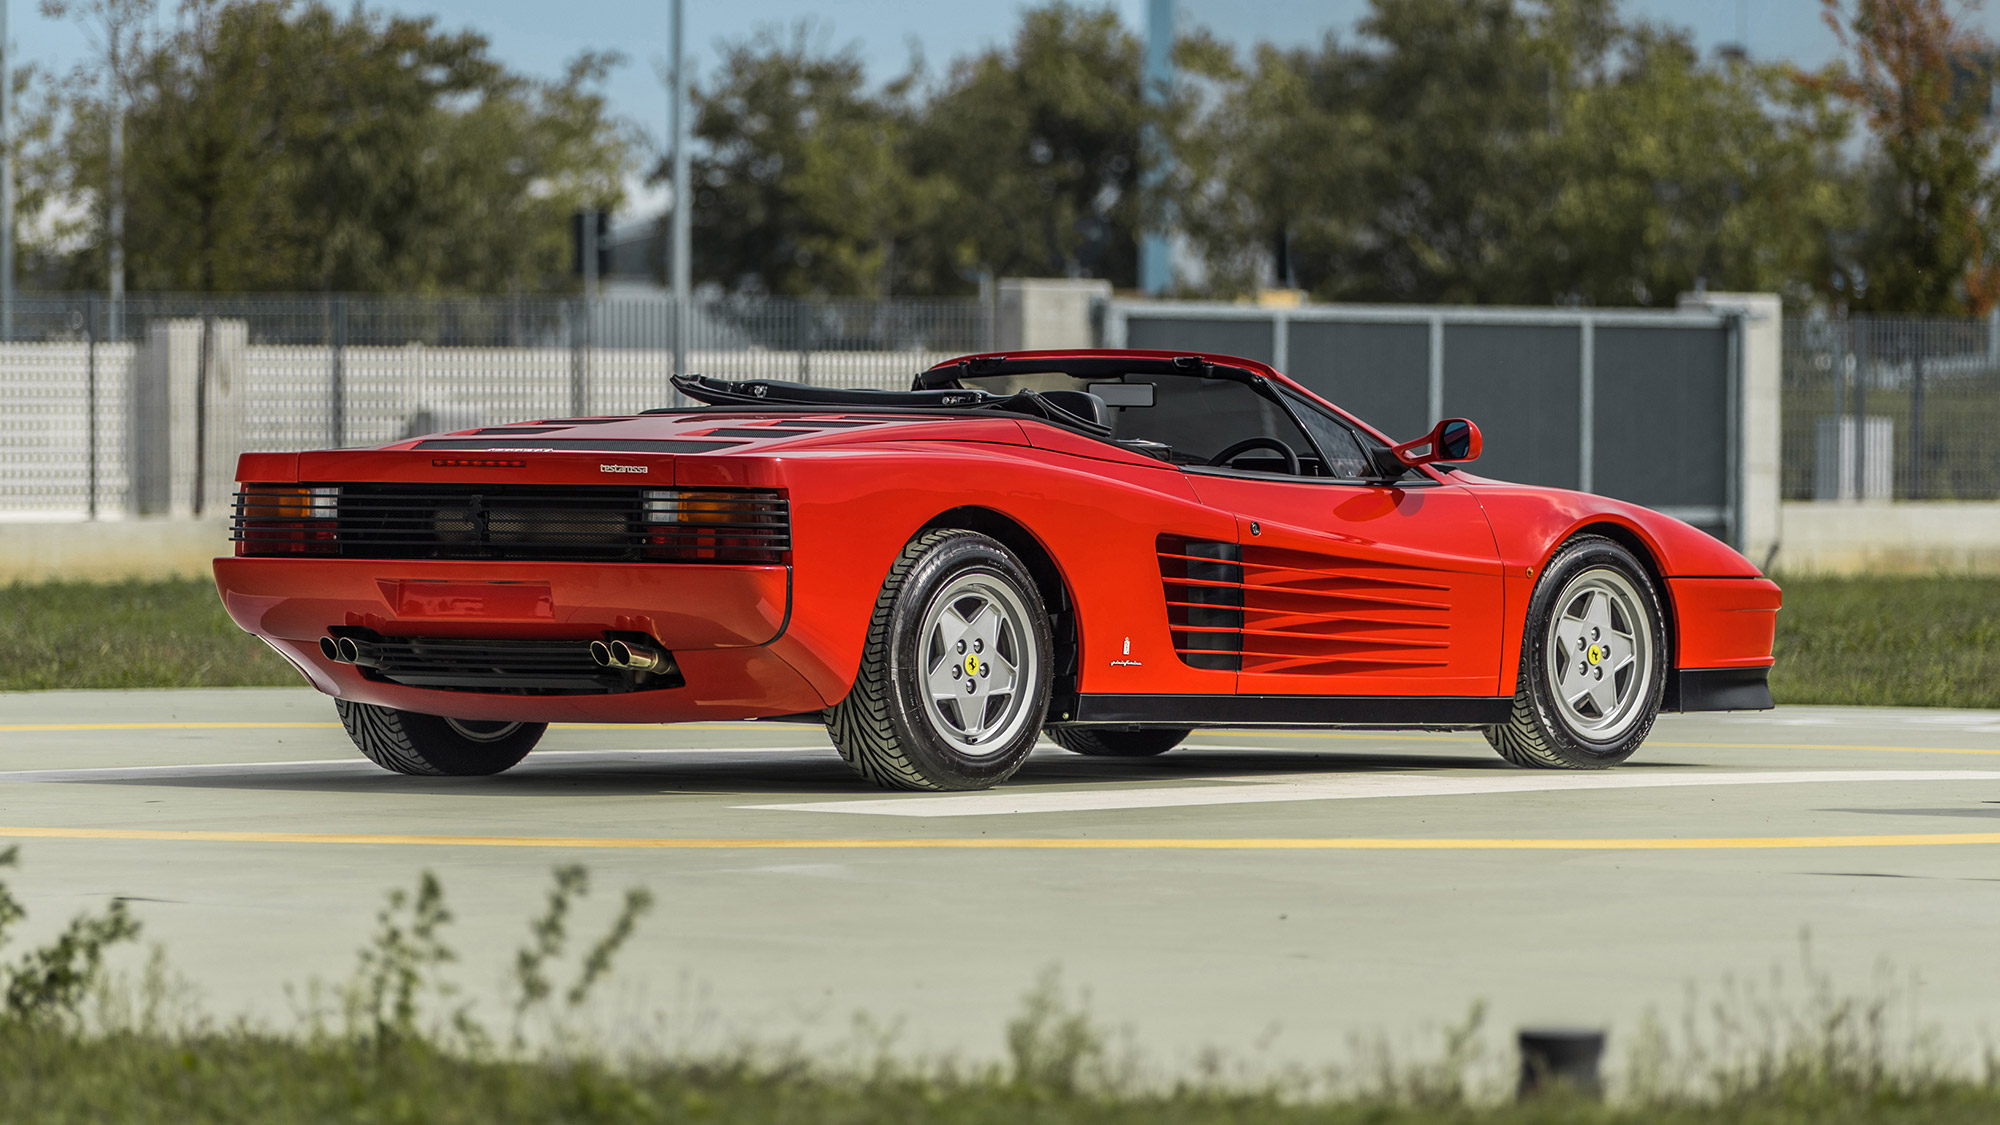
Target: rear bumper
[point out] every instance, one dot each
(718, 622)
(1719, 689)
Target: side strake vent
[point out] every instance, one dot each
(1265, 610)
(1203, 581)
(514, 522)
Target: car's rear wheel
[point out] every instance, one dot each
(434, 746)
(955, 677)
(1593, 662)
(1105, 742)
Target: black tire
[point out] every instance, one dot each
(1544, 732)
(432, 746)
(1107, 742)
(889, 727)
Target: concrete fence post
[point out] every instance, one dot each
(1761, 353)
(1048, 312)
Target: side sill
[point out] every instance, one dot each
(1719, 689)
(1290, 710)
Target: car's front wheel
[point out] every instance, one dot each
(1594, 662)
(956, 673)
(434, 746)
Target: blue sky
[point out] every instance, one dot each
(538, 35)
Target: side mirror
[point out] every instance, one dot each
(1454, 439)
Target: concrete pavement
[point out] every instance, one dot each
(1271, 894)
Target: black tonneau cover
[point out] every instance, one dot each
(776, 392)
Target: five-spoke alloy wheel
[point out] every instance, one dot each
(1593, 662)
(955, 676)
(976, 659)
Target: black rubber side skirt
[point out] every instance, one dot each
(1285, 711)
(1719, 689)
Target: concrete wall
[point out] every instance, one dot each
(101, 550)
(1854, 537)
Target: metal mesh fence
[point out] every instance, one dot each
(1892, 408)
(142, 407)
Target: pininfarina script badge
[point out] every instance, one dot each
(1127, 662)
(624, 468)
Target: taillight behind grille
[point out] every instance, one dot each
(515, 522)
(285, 519)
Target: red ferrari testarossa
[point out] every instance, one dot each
(1112, 548)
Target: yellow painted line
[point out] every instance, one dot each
(1005, 843)
(1826, 746)
(1474, 738)
(18, 727)
(165, 726)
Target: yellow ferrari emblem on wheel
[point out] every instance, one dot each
(971, 664)
(1596, 653)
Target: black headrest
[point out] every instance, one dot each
(1083, 404)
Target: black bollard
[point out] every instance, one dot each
(1552, 1057)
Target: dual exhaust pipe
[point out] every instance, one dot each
(632, 656)
(347, 650)
(635, 656)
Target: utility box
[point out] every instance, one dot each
(1854, 461)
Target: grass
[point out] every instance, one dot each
(404, 1045)
(128, 635)
(245, 1077)
(1898, 641)
(1889, 641)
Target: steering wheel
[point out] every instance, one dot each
(1248, 444)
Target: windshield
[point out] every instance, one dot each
(1197, 418)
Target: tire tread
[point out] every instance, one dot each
(395, 740)
(859, 724)
(1526, 739)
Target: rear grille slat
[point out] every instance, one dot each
(509, 522)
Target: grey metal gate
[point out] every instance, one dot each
(1643, 406)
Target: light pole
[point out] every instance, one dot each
(6, 181)
(1155, 253)
(683, 202)
(117, 264)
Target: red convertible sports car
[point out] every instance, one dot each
(1112, 548)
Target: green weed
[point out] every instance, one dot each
(1777, 1050)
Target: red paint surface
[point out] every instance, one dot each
(1349, 589)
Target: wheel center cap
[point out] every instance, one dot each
(1596, 653)
(971, 664)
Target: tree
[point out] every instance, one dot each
(1039, 144)
(1489, 151)
(1021, 160)
(118, 30)
(1267, 181)
(1680, 175)
(1913, 65)
(275, 144)
(803, 189)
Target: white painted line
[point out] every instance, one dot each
(358, 764)
(206, 769)
(1343, 787)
